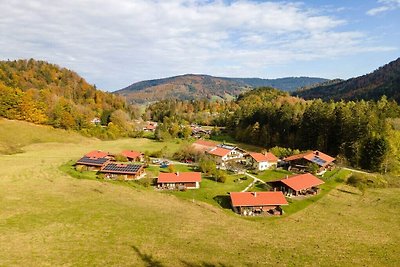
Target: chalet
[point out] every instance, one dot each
(179, 180)
(301, 184)
(258, 203)
(123, 171)
(204, 145)
(301, 161)
(150, 126)
(224, 153)
(91, 163)
(133, 155)
(99, 154)
(260, 161)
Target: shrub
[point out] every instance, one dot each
(121, 158)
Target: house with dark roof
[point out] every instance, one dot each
(179, 180)
(301, 184)
(221, 154)
(261, 162)
(91, 163)
(132, 155)
(301, 161)
(113, 170)
(258, 203)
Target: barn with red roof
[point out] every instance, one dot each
(179, 180)
(301, 184)
(301, 161)
(204, 145)
(260, 161)
(132, 155)
(258, 203)
(99, 154)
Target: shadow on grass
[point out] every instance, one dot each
(147, 258)
(345, 191)
(202, 264)
(224, 201)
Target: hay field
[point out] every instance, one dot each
(48, 218)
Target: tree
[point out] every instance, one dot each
(207, 165)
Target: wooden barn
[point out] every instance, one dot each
(179, 180)
(123, 171)
(132, 155)
(91, 163)
(258, 203)
(301, 184)
(300, 162)
(100, 154)
(204, 145)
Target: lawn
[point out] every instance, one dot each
(48, 218)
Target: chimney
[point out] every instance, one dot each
(317, 153)
(177, 173)
(255, 194)
(287, 176)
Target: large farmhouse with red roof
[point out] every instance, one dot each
(258, 203)
(301, 184)
(223, 153)
(91, 163)
(179, 180)
(300, 161)
(99, 154)
(260, 161)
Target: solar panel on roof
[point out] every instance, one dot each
(94, 161)
(318, 161)
(130, 168)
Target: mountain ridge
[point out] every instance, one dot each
(194, 86)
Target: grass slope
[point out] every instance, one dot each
(48, 218)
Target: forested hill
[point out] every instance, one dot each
(40, 92)
(383, 81)
(191, 86)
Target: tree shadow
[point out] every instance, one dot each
(224, 201)
(147, 258)
(347, 192)
(202, 264)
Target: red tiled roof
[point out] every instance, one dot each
(180, 177)
(257, 198)
(219, 151)
(97, 154)
(302, 181)
(310, 155)
(131, 154)
(269, 157)
(205, 143)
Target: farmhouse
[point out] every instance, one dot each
(133, 155)
(179, 180)
(150, 126)
(99, 154)
(91, 163)
(260, 161)
(301, 161)
(203, 145)
(258, 203)
(123, 171)
(301, 184)
(223, 153)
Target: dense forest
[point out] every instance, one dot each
(383, 81)
(362, 134)
(44, 93)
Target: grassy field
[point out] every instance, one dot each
(48, 218)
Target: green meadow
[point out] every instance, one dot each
(50, 218)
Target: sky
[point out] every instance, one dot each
(115, 43)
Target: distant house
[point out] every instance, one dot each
(150, 126)
(224, 153)
(261, 161)
(258, 203)
(301, 184)
(179, 180)
(91, 163)
(133, 155)
(96, 121)
(301, 161)
(124, 171)
(99, 154)
(204, 145)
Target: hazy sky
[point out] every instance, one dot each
(115, 43)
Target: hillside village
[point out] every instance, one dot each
(130, 165)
